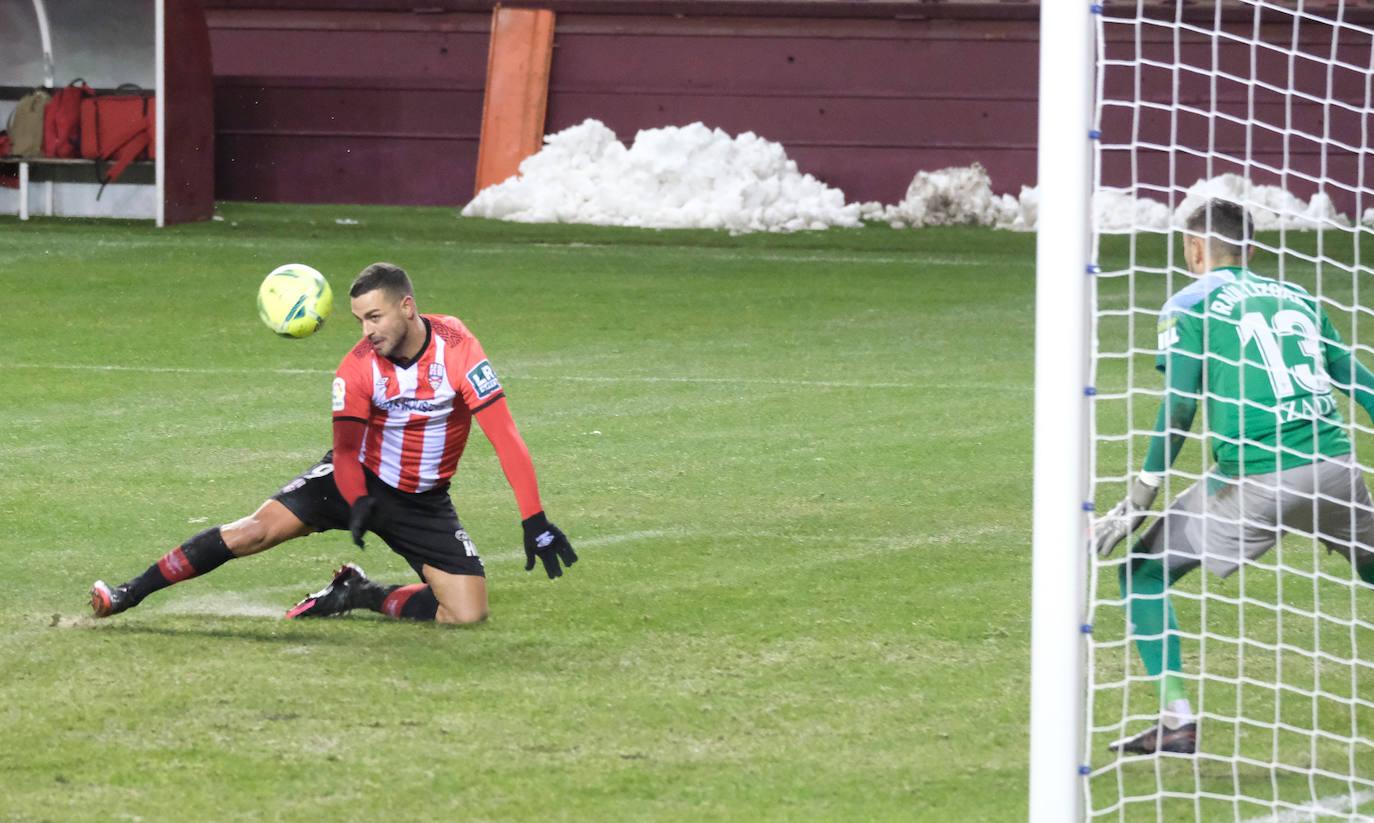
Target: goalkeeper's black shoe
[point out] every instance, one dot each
(334, 598)
(106, 601)
(1160, 738)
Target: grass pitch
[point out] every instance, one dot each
(794, 468)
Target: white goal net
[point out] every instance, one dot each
(1272, 106)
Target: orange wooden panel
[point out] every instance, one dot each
(517, 91)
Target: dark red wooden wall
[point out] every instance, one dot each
(1274, 131)
(359, 103)
(368, 101)
(861, 104)
(347, 107)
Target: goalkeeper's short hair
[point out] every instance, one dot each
(1225, 225)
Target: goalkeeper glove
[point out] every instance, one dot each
(547, 542)
(1111, 528)
(359, 515)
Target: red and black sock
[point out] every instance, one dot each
(204, 552)
(414, 602)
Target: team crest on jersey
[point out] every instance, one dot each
(436, 376)
(483, 380)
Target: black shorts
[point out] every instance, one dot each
(422, 527)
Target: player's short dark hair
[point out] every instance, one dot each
(386, 276)
(1225, 225)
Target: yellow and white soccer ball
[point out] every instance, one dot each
(294, 300)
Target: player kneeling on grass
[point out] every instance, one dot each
(1268, 355)
(404, 399)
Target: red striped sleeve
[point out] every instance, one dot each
(348, 472)
(499, 427)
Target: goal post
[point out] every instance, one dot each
(1061, 362)
(1148, 110)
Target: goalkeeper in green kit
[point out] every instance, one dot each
(1265, 357)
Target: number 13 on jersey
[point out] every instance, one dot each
(1305, 368)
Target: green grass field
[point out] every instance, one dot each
(796, 468)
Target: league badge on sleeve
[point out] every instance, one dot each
(1168, 332)
(483, 380)
(338, 394)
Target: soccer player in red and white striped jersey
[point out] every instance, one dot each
(404, 399)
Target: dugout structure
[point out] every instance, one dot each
(160, 46)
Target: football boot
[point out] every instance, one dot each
(106, 601)
(332, 599)
(1160, 738)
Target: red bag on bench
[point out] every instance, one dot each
(62, 120)
(8, 178)
(118, 127)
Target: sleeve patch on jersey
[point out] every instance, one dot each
(338, 394)
(483, 380)
(1168, 332)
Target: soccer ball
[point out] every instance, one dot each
(294, 300)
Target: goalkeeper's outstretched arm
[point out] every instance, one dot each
(1176, 413)
(1175, 419)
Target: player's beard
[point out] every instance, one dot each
(383, 344)
(391, 345)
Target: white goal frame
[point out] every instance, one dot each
(1058, 566)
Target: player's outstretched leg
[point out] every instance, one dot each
(271, 525)
(351, 589)
(204, 552)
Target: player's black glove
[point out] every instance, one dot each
(359, 516)
(547, 542)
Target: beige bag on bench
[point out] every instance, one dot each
(26, 124)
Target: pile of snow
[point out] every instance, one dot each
(1270, 206)
(963, 196)
(695, 177)
(670, 178)
(959, 196)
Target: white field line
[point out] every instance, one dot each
(840, 384)
(1337, 805)
(609, 250)
(872, 543)
(626, 537)
(863, 544)
(808, 256)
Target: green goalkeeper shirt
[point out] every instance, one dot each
(1262, 353)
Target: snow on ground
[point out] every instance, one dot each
(670, 178)
(695, 177)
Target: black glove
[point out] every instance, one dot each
(359, 515)
(548, 542)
